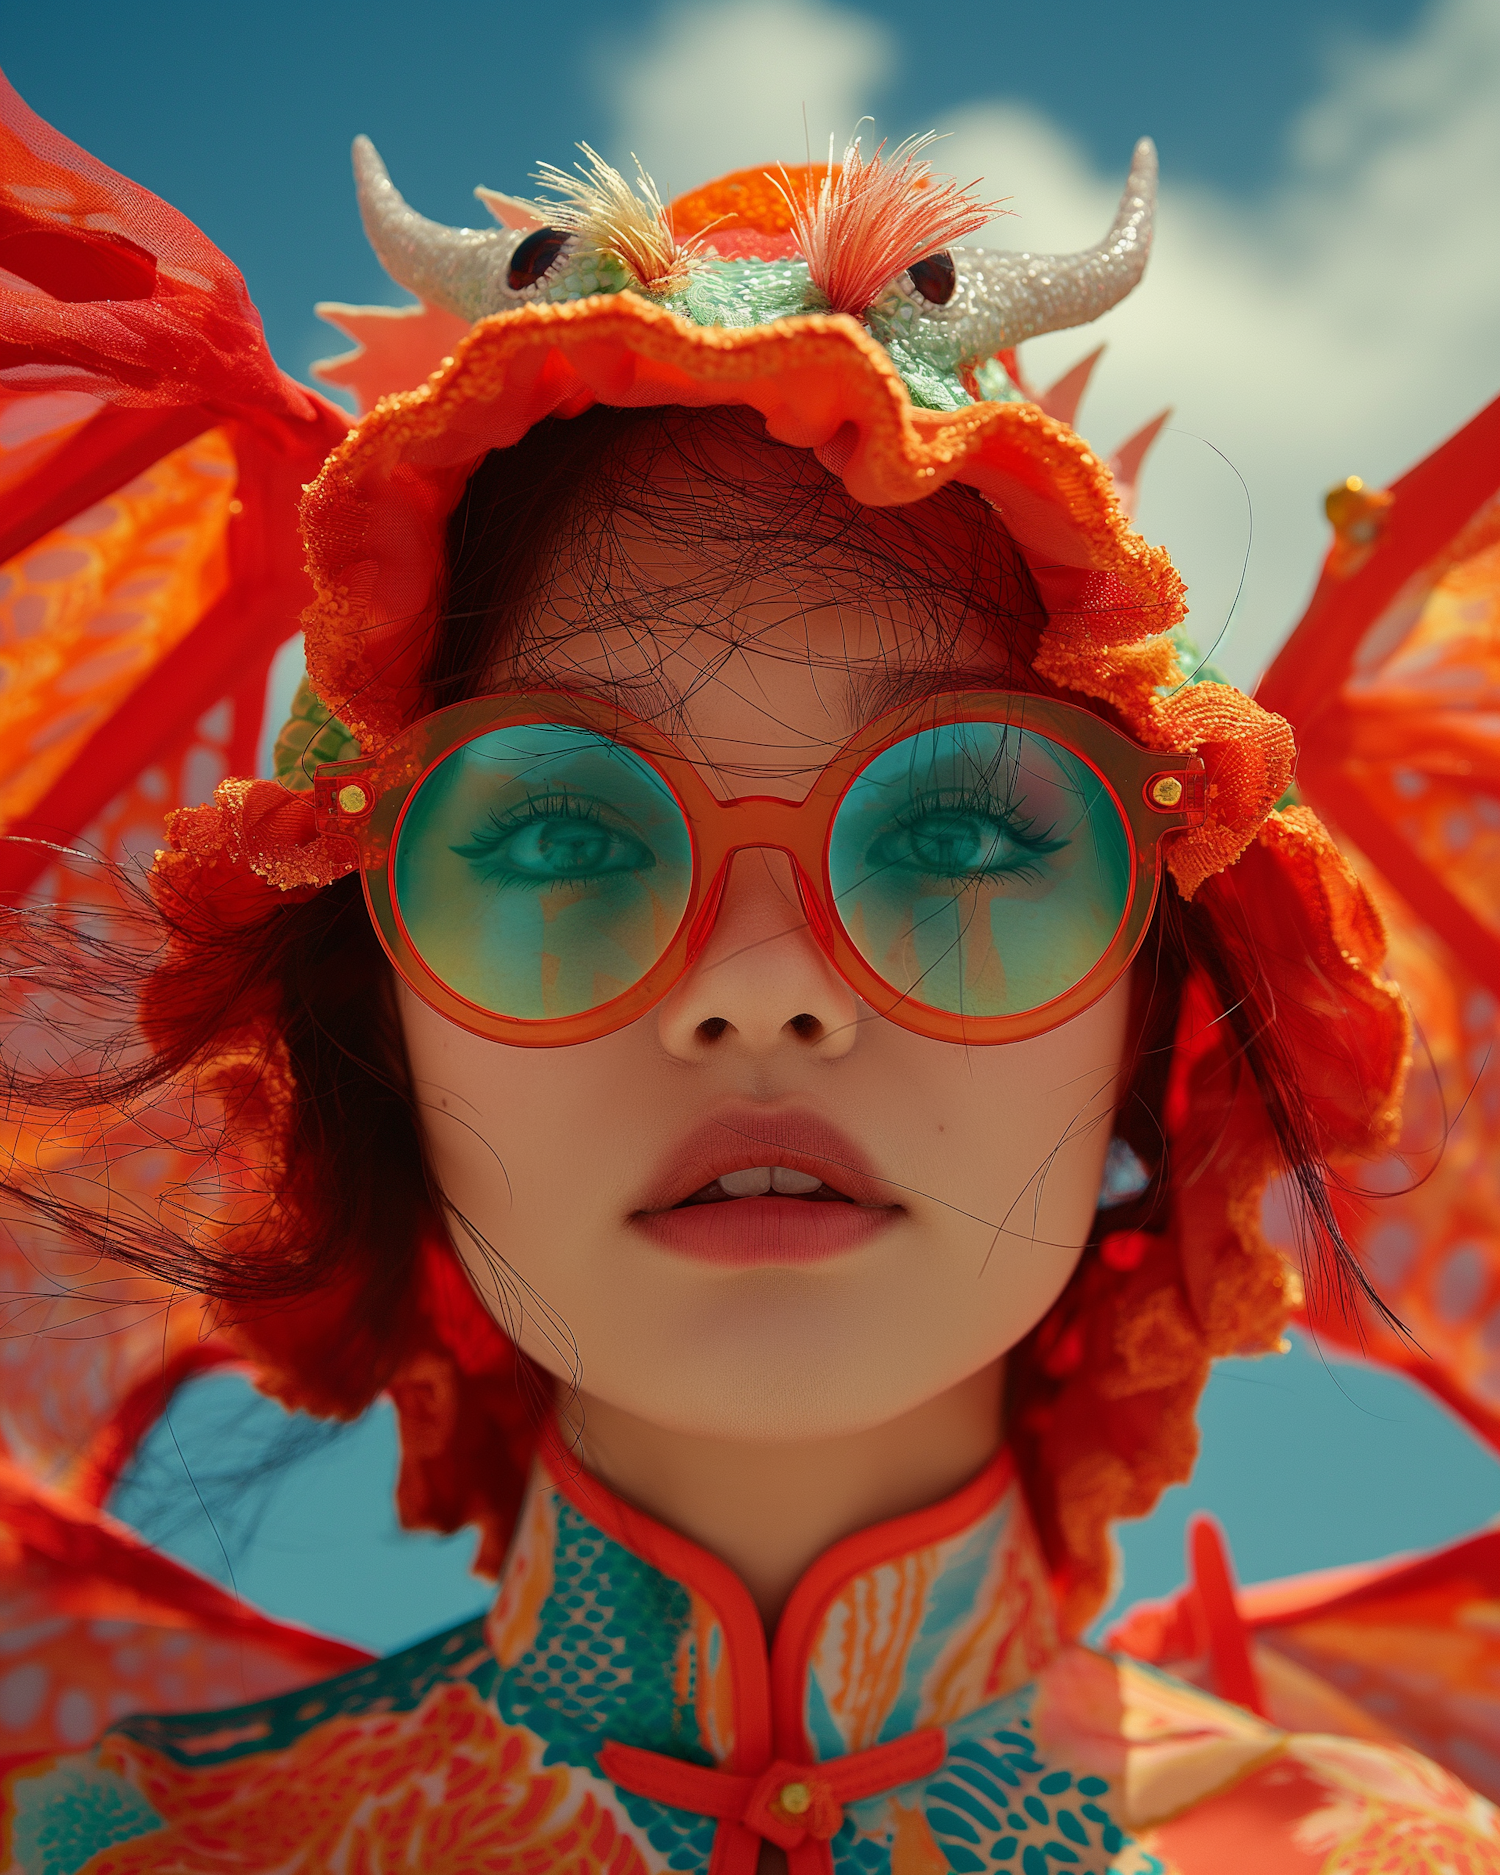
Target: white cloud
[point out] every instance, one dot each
(715, 88)
(1341, 321)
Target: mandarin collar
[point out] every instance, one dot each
(912, 1623)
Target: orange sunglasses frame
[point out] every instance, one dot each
(1156, 793)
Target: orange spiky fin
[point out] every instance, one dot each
(396, 348)
(1126, 463)
(511, 211)
(1064, 397)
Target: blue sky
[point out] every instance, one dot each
(242, 116)
(1324, 294)
(1324, 299)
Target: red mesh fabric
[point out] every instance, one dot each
(116, 309)
(97, 1621)
(1393, 680)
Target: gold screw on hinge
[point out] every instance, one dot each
(1358, 515)
(1165, 791)
(352, 798)
(1355, 510)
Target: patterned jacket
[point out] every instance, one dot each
(619, 1710)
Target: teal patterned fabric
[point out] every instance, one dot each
(609, 1654)
(57, 1825)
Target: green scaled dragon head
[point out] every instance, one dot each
(875, 239)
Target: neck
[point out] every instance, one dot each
(769, 1511)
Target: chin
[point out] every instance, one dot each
(775, 1410)
(779, 1377)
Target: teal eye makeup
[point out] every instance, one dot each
(542, 870)
(961, 837)
(557, 840)
(979, 868)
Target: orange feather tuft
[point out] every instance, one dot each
(870, 221)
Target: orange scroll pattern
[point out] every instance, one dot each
(93, 606)
(448, 1786)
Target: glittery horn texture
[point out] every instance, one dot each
(461, 270)
(1002, 299)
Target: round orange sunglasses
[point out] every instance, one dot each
(980, 866)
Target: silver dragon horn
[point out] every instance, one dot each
(462, 270)
(1005, 298)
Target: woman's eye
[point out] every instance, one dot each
(956, 846)
(534, 257)
(554, 850)
(935, 278)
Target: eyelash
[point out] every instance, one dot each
(482, 845)
(981, 803)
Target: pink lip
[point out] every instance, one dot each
(749, 1231)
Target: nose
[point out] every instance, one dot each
(761, 982)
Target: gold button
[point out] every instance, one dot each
(353, 799)
(1166, 791)
(795, 1799)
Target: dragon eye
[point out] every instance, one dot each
(535, 255)
(935, 278)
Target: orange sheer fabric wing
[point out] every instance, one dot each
(1401, 1652)
(151, 462)
(1392, 683)
(97, 1625)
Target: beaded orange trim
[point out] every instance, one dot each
(371, 518)
(264, 826)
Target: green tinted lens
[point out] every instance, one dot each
(541, 871)
(980, 868)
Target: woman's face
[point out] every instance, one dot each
(958, 1183)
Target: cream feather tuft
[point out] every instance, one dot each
(598, 205)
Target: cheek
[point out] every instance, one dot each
(505, 1127)
(1018, 1135)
